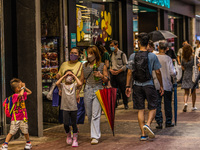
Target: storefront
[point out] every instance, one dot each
(97, 20)
(172, 15)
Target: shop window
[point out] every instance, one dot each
(94, 23)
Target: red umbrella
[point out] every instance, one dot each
(107, 99)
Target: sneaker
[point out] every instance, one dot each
(28, 146)
(69, 139)
(94, 141)
(148, 131)
(144, 138)
(4, 147)
(185, 108)
(194, 108)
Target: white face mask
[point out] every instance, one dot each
(69, 79)
(91, 58)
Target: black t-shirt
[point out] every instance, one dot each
(171, 54)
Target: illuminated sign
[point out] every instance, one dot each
(163, 3)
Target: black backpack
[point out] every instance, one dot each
(140, 67)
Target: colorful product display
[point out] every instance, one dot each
(49, 62)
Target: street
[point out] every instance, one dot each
(184, 136)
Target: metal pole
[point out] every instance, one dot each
(3, 87)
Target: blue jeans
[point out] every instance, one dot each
(167, 105)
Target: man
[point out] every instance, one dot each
(143, 86)
(170, 52)
(118, 70)
(167, 71)
(179, 54)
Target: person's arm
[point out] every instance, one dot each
(24, 88)
(125, 62)
(103, 76)
(59, 74)
(128, 80)
(159, 77)
(179, 61)
(107, 63)
(60, 80)
(79, 83)
(82, 81)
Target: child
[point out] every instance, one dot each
(19, 117)
(69, 104)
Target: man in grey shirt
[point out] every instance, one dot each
(118, 70)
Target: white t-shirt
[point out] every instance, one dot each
(68, 99)
(180, 51)
(167, 71)
(197, 52)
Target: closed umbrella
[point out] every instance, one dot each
(175, 102)
(161, 35)
(107, 100)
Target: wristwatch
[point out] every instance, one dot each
(23, 88)
(128, 87)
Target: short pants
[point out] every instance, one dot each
(15, 125)
(140, 93)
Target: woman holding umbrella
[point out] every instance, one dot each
(187, 84)
(95, 73)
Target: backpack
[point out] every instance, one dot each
(9, 106)
(140, 67)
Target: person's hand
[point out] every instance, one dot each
(179, 63)
(23, 84)
(111, 71)
(98, 74)
(78, 98)
(128, 92)
(68, 73)
(161, 91)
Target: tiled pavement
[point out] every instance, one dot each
(184, 136)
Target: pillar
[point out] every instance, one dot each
(29, 60)
(127, 27)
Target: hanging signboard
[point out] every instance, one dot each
(163, 3)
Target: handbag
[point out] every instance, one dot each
(178, 71)
(195, 70)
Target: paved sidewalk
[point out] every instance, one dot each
(184, 136)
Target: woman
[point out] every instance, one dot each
(93, 80)
(105, 57)
(77, 69)
(187, 84)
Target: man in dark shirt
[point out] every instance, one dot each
(170, 52)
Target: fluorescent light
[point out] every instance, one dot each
(143, 11)
(135, 9)
(81, 6)
(197, 16)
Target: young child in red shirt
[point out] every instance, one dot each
(19, 118)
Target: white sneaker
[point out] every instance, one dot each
(28, 146)
(94, 141)
(194, 108)
(4, 147)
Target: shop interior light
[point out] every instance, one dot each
(81, 6)
(80, 1)
(143, 11)
(197, 16)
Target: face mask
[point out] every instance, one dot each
(69, 79)
(112, 49)
(73, 57)
(91, 58)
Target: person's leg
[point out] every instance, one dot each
(88, 103)
(121, 79)
(73, 117)
(66, 120)
(27, 137)
(151, 116)
(138, 103)
(186, 95)
(141, 120)
(8, 137)
(168, 107)
(159, 118)
(194, 98)
(96, 116)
